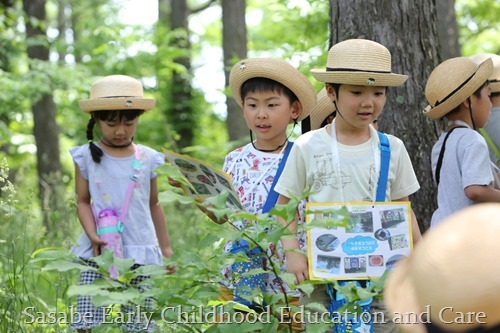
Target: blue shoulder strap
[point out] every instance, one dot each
(385, 158)
(272, 197)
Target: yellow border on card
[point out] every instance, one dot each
(309, 247)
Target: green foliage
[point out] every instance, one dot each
(478, 25)
(186, 301)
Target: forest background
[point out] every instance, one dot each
(52, 50)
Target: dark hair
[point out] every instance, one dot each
(325, 121)
(107, 115)
(476, 93)
(265, 84)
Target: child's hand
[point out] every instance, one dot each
(167, 252)
(296, 263)
(96, 244)
(171, 269)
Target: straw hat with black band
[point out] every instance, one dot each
(494, 78)
(277, 70)
(359, 62)
(451, 277)
(324, 107)
(116, 92)
(452, 82)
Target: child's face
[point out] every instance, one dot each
(117, 132)
(267, 114)
(481, 107)
(359, 105)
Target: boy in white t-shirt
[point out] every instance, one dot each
(339, 162)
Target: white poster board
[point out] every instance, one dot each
(377, 237)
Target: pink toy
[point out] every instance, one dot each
(109, 229)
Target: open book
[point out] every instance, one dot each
(206, 181)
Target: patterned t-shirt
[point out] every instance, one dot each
(252, 173)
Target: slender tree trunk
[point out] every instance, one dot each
(234, 45)
(448, 29)
(181, 114)
(406, 28)
(45, 128)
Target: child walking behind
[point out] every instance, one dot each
(458, 91)
(356, 77)
(273, 94)
(103, 171)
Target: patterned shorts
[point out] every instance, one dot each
(88, 316)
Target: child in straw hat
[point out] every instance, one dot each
(103, 171)
(272, 94)
(450, 282)
(492, 129)
(323, 114)
(356, 79)
(458, 91)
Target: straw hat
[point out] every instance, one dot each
(277, 70)
(452, 82)
(324, 107)
(116, 92)
(359, 62)
(455, 265)
(495, 76)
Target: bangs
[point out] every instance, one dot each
(117, 115)
(265, 84)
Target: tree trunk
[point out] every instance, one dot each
(234, 45)
(447, 29)
(44, 117)
(406, 28)
(181, 114)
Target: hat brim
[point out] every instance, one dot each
(279, 71)
(401, 298)
(359, 78)
(324, 107)
(480, 77)
(122, 103)
(494, 87)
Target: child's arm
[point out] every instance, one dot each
(159, 221)
(85, 214)
(296, 263)
(482, 193)
(415, 230)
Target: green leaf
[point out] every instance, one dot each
(171, 196)
(64, 266)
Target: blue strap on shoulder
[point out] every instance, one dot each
(272, 197)
(385, 158)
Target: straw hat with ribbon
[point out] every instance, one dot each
(116, 92)
(277, 70)
(324, 107)
(359, 62)
(453, 271)
(494, 78)
(452, 82)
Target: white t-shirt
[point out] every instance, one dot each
(465, 162)
(310, 166)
